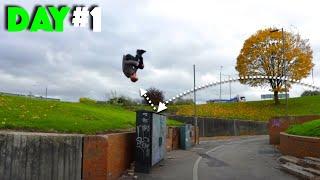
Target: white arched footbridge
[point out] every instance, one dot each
(162, 105)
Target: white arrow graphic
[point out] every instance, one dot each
(142, 92)
(161, 107)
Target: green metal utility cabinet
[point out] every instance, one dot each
(185, 136)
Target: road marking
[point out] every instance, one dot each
(195, 168)
(196, 164)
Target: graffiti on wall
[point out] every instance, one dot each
(143, 135)
(276, 123)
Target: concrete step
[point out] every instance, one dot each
(298, 171)
(310, 163)
(313, 171)
(313, 159)
(290, 159)
(306, 162)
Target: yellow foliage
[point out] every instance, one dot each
(265, 54)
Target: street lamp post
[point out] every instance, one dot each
(285, 67)
(195, 103)
(220, 83)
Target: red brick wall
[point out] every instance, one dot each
(107, 156)
(94, 160)
(299, 146)
(280, 124)
(120, 153)
(195, 140)
(169, 139)
(176, 138)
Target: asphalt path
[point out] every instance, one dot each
(236, 158)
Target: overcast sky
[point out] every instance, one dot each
(176, 35)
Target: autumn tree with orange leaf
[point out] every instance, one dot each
(264, 54)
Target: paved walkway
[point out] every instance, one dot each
(246, 158)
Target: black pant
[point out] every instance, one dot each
(137, 58)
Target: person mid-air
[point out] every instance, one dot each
(131, 64)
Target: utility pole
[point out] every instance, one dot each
(195, 103)
(46, 93)
(229, 85)
(220, 84)
(286, 71)
(312, 76)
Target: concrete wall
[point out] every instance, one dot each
(33, 156)
(299, 146)
(281, 124)
(107, 156)
(221, 127)
(48, 156)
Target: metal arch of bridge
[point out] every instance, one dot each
(162, 105)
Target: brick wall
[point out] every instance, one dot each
(176, 138)
(121, 148)
(95, 164)
(299, 146)
(195, 136)
(281, 124)
(169, 144)
(107, 156)
(173, 138)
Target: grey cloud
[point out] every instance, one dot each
(79, 63)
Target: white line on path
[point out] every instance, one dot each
(196, 164)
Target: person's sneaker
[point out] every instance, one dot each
(140, 51)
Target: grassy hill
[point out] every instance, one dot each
(22, 113)
(311, 128)
(259, 110)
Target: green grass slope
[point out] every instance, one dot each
(311, 128)
(259, 110)
(23, 113)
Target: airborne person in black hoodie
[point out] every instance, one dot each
(131, 64)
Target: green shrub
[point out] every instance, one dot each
(183, 102)
(123, 101)
(310, 93)
(86, 100)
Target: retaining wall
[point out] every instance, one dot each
(299, 146)
(32, 156)
(281, 124)
(120, 153)
(107, 156)
(48, 156)
(209, 127)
